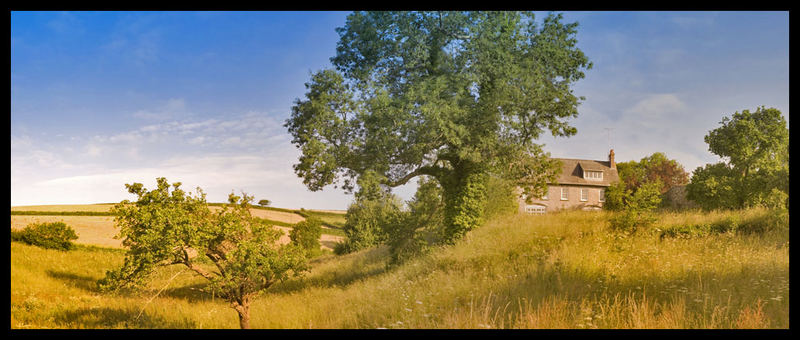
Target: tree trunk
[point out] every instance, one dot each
(244, 314)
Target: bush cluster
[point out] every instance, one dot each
(771, 220)
(306, 234)
(54, 235)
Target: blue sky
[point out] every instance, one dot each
(100, 99)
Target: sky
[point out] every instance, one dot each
(100, 99)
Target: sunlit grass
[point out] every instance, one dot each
(562, 270)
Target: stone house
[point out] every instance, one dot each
(580, 185)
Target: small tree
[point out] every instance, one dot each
(166, 227)
(264, 203)
(306, 234)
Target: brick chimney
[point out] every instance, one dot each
(611, 161)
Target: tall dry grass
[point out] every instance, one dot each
(564, 270)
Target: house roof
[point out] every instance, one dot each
(572, 172)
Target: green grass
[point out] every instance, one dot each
(563, 270)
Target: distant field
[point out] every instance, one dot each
(331, 218)
(65, 207)
(100, 230)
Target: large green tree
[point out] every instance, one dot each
(754, 147)
(451, 95)
(237, 253)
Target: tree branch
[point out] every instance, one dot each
(423, 170)
(195, 268)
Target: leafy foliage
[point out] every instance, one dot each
(264, 203)
(421, 226)
(451, 95)
(501, 197)
(651, 168)
(370, 216)
(767, 221)
(755, 147)
(637, 209)
(306, 234)
(53, 235)
(166, 227)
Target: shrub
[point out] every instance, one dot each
(638, 208)
(54, 235)
(631, 220)
(684, 231)
(16, 236)
(769, 221)
(759, 223)
(306, 234)
(414, 231)
(366, 223)
(776, 199)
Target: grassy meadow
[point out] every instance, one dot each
(561, 270)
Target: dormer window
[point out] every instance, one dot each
(593, 175)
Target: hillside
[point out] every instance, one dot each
(561, 270)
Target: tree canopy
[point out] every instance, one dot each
(754, 147)
(451, 95)
(656, 167)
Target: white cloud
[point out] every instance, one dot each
(656, 122)
(249, 152)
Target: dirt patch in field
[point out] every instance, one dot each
(100, 230)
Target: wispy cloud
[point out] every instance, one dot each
(249, 152)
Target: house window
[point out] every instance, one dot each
(564, 194)
(535, 209)
(593, 175)
(602, 195)
(584, 194)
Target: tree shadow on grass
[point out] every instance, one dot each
(329, 244)
(362, 265)
(84, 282)
(192, 293)
(105, 317)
